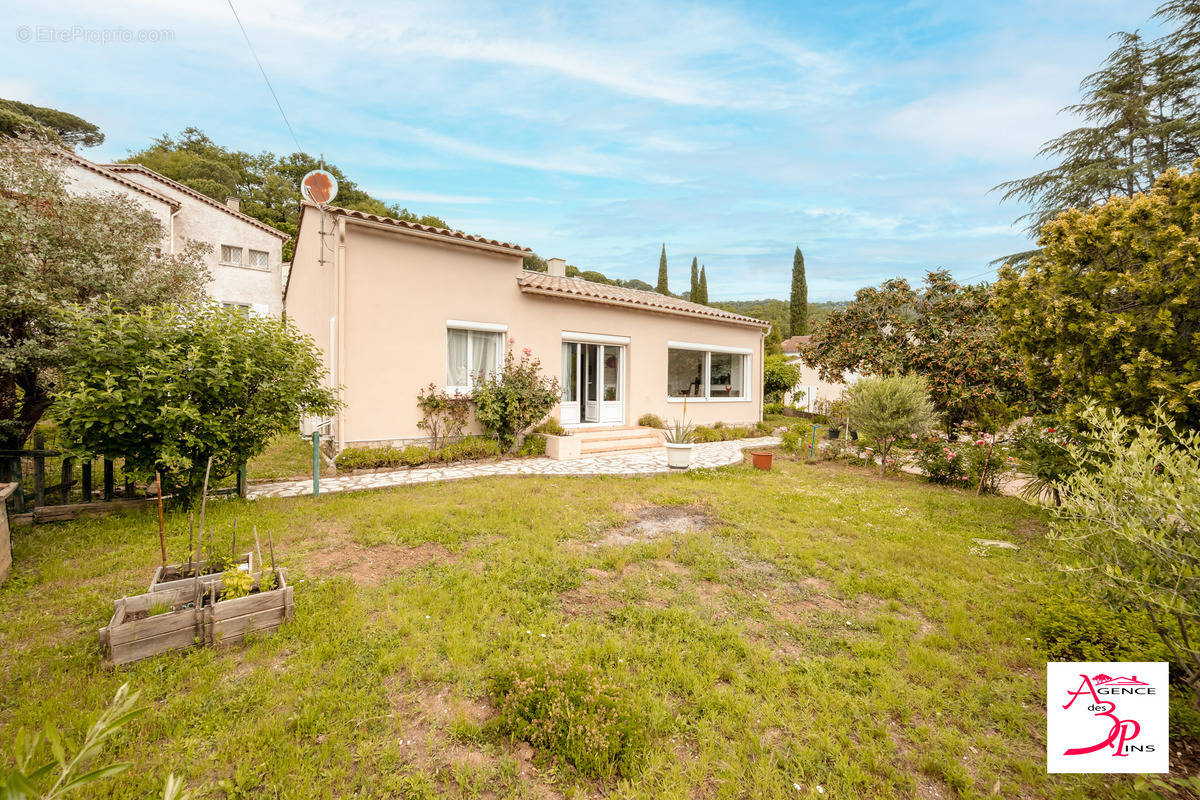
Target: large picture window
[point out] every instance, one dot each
(703, 374)
(471, 355)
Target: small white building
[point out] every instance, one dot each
(244, 255)
(811, 392)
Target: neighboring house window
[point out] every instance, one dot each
(231, 255)
(259, 259)
(700, 373)
(260, 309)
(471, 353)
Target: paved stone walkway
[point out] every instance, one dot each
(707, 455)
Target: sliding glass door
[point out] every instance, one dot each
(593, 384)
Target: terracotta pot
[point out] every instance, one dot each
(762, 460)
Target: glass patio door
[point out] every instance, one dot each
(593, 377)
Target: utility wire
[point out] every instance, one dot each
(278, 105)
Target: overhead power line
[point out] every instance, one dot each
(271, 88)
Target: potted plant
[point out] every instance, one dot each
(680, 437)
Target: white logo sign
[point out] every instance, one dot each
(1107, 717)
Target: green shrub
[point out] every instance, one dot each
(941, 460)
(706, 434)
(369, 458)
(888, 409)
(793, 439)
(551, 427)
(535, 445)
(651, 421)
(764, 427)
(1041, 450)
(469, 448)
(1074, 628)
(574, 714)
(514, 399)
(415, 455)
(773, 408)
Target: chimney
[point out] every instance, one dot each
(234, 202)
(556, 266)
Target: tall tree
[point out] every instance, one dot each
(694, 289)
(268, 185)
(65, 250)
(67, 129)
(661, 286)
(1141, 111)
(798, 309)
(944, 332)
(1108, 308)
(702, 296)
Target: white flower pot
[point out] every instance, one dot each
(679, 456)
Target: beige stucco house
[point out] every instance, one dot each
(243, 255)
(811, 392)
(395, 306)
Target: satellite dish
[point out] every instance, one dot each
(318, 187)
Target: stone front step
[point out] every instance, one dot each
(593, 441)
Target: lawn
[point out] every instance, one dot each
(808, 632)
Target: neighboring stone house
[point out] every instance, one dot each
(811, 391)
(244, 256)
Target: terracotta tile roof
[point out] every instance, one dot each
(115, 178)
(579, 289)
(458, 236)
(793, 343)
(190, 192)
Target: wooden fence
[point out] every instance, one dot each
(85, 486)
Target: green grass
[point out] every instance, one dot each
(289, 455)
(825, 628)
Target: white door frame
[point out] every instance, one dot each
(590, 408)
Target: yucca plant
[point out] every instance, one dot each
(681, 432)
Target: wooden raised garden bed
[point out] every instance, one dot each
(185, 616)
(177, 576)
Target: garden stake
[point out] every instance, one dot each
(196, 567)
(192, 539)
(258, 549)
(233, 543)
(271, 544)
(162, 542)
(204, 497)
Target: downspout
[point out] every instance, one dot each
(339, 368)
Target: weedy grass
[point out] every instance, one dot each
(817, 628)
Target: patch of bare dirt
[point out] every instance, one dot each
(373, 565)
(423, 718)
(654, 522)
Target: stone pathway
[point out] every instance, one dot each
(706, 455)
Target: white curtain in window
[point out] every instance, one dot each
(456, 358)
(483, 354)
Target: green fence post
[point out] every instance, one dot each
(241, 481)
(316, 437)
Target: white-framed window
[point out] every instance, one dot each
(473, 350)
(243, 307)
(259, 259)
(707, 373)
(231, 255)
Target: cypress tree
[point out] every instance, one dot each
(799, 302)
(694, 290)
(661, 288)
(702, 290)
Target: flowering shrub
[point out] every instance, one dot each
(573, 713)
(1041, 451)
(514, 399)
(443, 415)
(941, 460)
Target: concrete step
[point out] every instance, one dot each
(595, 446)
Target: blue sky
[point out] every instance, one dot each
(868, 133)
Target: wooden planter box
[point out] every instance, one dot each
(193, 619)
(168, 577)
